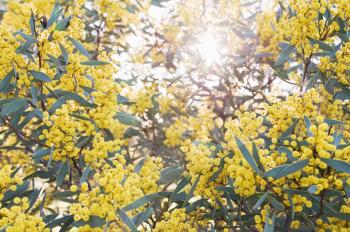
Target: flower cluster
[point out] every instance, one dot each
(116, 187)
(16, 219)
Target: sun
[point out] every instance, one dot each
(208, 47)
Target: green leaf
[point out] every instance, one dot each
(123, 100)
(139, 165)
(55, 13)
(94, 221)
(308, 125)
(27, 37)
(59, 221)
(312, 189)
(85, 174)
(73, 96)
(158, 2)
(64, 194)
(342, 95)
(247, 155)
(217, 173)
(284, 55)
(63, 24)
(309, 222)
(337, 137)
(141, 201)
(80, 47)
(64, 53)
(170, 174)
(275, 203)
(333, 122)
(257, 158)
(260, 201)
(41, 153)
(339, 165)
(321, 44)
(33, 197)
(49, 218)
(190, 193)
(184, 181)
(287, 169)
(58, 104)
(21, 188)
(291, 206)
(94, 62)
(125, 218)
(62, 174)
(347, 190)
(127, 119)
(13, 106)
(32, 24)
(296, 192)
(5, 83)
(289, 153)
(40, 76)
(34, 94)
(290, 129)
(143, 216)
(270, 227)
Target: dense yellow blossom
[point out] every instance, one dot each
(178, 220)
(117, 187)
(232, 162)
(339, 67)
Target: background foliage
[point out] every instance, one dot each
(174, 115)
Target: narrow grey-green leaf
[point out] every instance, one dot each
(290, 129)
(257, 158)
(125, 218)
(123, 100)
(80, 47)
(308, 125)
(190, 193)
(139, 165)
(284, 55)
(41, 153)
(85, 174)
(21, 188)
(141, 217)
(312, 189)
(321, 44)
(140, 202)
(247, 155)
(170, 174)
(287, 169)
(94, 62)
(32, 24)
(218, 172)
(40, 76)
(63, 24)
(289, 153)
(62, 174)
(275, 203)
(13, 106)
(270, 227)
(55, 13)
(34, 94)
(73, 96)
(64, 53)
(291, 206)
(94, 222)
(260, 201)
(5, 83)
(127, 119)
(338, 165)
